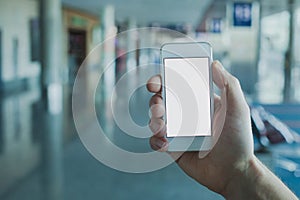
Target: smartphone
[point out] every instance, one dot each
(188, 95)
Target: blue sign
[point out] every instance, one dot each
(242, 14)
(216, 25)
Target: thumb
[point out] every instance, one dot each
(232, 101)
(223, 78)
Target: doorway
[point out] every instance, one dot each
(76, 52)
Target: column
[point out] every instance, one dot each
(51, 102)
(131, 45)
(289, 57)
(109, 30)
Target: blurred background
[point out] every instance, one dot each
(43, 43)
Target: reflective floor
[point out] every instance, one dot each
(42, 157)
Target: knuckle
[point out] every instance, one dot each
(235, 81)
(247, 109)
(155, 99)
(156, 126)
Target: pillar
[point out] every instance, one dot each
(109, 30)
(51, 102)
(289, 57)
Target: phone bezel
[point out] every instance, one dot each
(189, 50)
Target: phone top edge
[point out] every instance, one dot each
(176, 43)
(183, 57)
(188, 137)
(209, 54)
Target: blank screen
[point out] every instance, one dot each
(187, 94)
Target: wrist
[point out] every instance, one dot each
(246, 175)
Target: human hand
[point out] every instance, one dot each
(232, 153)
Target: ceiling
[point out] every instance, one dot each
(148, 11)
(145, 12)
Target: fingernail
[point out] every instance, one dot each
(154, 126)
(160, 143)
(222, 73)
(220, 66)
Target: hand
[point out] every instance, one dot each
(233, 152)
(230, 168)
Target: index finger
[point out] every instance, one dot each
(154, 84)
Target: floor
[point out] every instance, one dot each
(43, 157)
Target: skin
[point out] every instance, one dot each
(230, 168)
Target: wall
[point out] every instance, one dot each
(14, 23)
(274, 43)
(244, 45)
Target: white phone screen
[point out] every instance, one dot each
(187, 94)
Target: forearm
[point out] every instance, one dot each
(257, 182)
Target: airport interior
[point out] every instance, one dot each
(74, 108)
